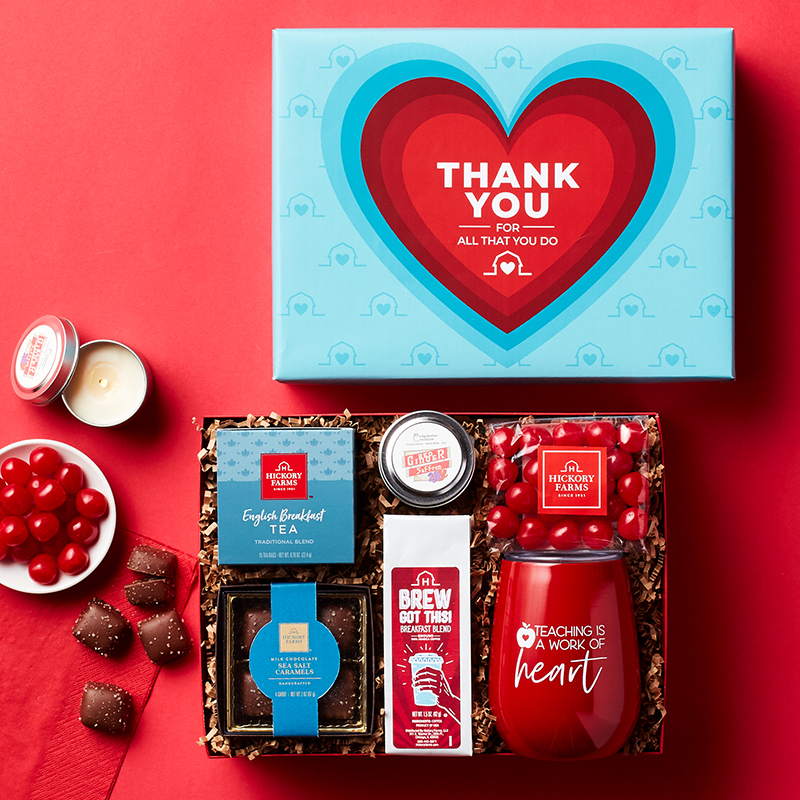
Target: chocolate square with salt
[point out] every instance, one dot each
(150, 592)
(254, 703)
(152, 561)
(164, 636)
(340, 702)
(105, 707)
(339, 617)
(252, 621)
(102, 627)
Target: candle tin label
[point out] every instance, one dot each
(36, 358)
(423, 458)
(517, 203)
(286, 495)
(572, 480)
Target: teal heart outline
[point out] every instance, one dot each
(654, 87)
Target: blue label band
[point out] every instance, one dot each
(294, 659)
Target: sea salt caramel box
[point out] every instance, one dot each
(489, 204)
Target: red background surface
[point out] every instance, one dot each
(135, 201)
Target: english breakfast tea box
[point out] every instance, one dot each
(489, 204)
(286, 496)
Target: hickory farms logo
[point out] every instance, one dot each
(506, 204)
(581, 640)
(284, 476)
(293, 637)
(572, 480)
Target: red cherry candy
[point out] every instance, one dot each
(633, 488)
(83, 531)
(504, 442)
(91, 503)
(16, 499)
(70, 477)
(15, 470)
(55, 545)
(565, 535)
(43, 525)
(530, 472)
(34, 483)
(521, 498)
(632, 524)
(501, 473)
(49, 496)
(44, 460)
(532, 533)
(600, 433)
(567, 434)
(43, 569)
(13, 531)
(531, 436)
(502, 522)
(619, 462)
(632, 436)
(23, 553)
(615, 505)
(67, 510)
(597, 534)
(73, 559)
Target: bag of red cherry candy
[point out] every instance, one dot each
(573, 484)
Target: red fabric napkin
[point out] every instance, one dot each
(47, 751)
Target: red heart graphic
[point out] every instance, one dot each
(507, 223)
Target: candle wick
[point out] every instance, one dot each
(104, 382)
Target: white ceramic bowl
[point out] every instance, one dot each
(15, 576)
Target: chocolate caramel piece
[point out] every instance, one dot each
(152, 561)
(164, 636)
(105, 707)
(253, 620)
(254, 702)
(341, 622)
(339, 702)
(102, 627)
(150, 592)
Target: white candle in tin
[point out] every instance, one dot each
(109, 385)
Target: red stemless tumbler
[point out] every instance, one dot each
(564, 673)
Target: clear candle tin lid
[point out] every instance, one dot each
(44, 360)
(427, 459)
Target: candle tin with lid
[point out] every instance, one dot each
(427, 459)
(102, 383)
